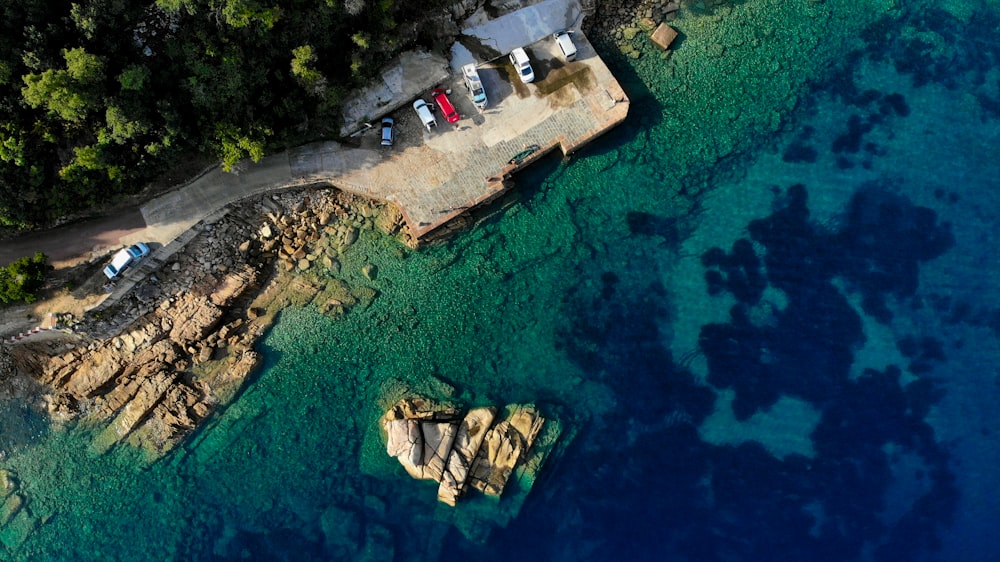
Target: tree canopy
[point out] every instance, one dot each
(97, 97)
(21, 280)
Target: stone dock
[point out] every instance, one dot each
(434, 176)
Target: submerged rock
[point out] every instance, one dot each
(10, 507)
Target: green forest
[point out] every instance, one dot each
(99, 97)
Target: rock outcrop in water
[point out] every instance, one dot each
(438, 443)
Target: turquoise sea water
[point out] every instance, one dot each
(767, 306)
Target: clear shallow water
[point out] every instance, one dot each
(767, 304)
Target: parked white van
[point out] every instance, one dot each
(566, 45)
(475, 86)
(424, 112)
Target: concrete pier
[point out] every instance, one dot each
(434, 176)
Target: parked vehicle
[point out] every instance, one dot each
(125, 258)
(566, 45)
(441, 98)
(388, 133)
(475, 86)
(424, 112)
(522, 65)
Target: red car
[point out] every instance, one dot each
(441, 98)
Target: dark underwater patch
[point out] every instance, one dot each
(895, 103)
(799, 152)
(740, 271)
(648, 224)
(713, 503)
(882, 241)
(807, 350)
(844, 163)
(850, 141)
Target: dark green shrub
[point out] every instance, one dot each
(21, 280)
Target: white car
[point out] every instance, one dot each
(522, 65)
(475, 86)
(125, 258)
(566, 45)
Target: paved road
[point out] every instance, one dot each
(70, 243)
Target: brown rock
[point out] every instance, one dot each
(466, 445)
(147, 364)
(8, 483)
(405, 441)
(62, 406)
(201, 410)
(98, 369)
(503, 447)
(204, 355)
(194, 318)
(438, 438)
(663, 36)
(243, 365)
(351, 236)
(421, 409)
(148, 395)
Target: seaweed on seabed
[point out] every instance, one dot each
(886, 237)
(796, 355)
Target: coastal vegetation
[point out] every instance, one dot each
(99, 97)
(21, 280)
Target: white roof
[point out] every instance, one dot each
(121, 259)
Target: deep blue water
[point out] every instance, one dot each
(775, 335)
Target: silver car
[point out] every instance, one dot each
(388, 133)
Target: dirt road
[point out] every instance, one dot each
(69, 244)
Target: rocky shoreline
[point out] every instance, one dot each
(156, 363)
